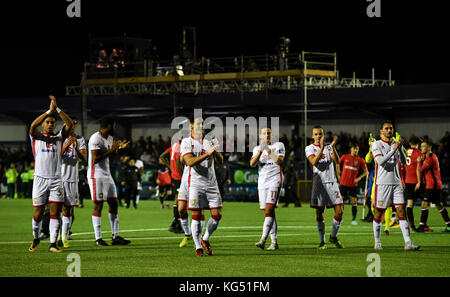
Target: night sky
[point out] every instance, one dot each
(43, 50)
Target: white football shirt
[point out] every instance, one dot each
(47, 154)
(270, 174)
(386, 163)
(324, 169)
(99, 143)
(203, 173)
(69, 160)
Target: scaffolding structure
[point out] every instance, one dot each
(292, 73)
(249, 74)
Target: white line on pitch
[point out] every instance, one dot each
(217, 236)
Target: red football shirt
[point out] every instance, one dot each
(164, 178)
(175, 154)
(430, 167)
(411, 165)
(350, 168)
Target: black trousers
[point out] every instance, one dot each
(130, 194)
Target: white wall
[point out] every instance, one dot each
(13, 132)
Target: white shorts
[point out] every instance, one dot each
(102, 189)
(139, 186)
(47, 190)
(204, 198)
(325, 194)
(386, 195)
(183, 192)
(268, 196)
(70, 193)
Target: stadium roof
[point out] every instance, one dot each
(428, 100)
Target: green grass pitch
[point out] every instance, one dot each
(154, 251)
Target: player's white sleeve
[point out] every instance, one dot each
(309, 151)
(94, 143)
(280, 150)
(81, 143)
(255, 151)
(186, 147)
(378, 154)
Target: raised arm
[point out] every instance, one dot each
(314, 159)
(116, 146)
(38, 121)
(380, 158)
(66, 119)
(334, 155)
(164, 158)
(192, 161)
(255, 158)
(35, 124)
(278, 159)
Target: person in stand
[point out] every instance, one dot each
(290, 183)
(11, 180)
(132, 178)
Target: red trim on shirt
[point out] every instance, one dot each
(34, 148)
(104, 136)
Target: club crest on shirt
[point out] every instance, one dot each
(59, 192)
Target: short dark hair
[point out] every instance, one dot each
(414, 140)
(386, 122)
(428, 142)
(318, 127)
(108, 120)
(353, 144)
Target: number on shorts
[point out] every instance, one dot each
(273, 195)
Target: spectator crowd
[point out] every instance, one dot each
(16, 162)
